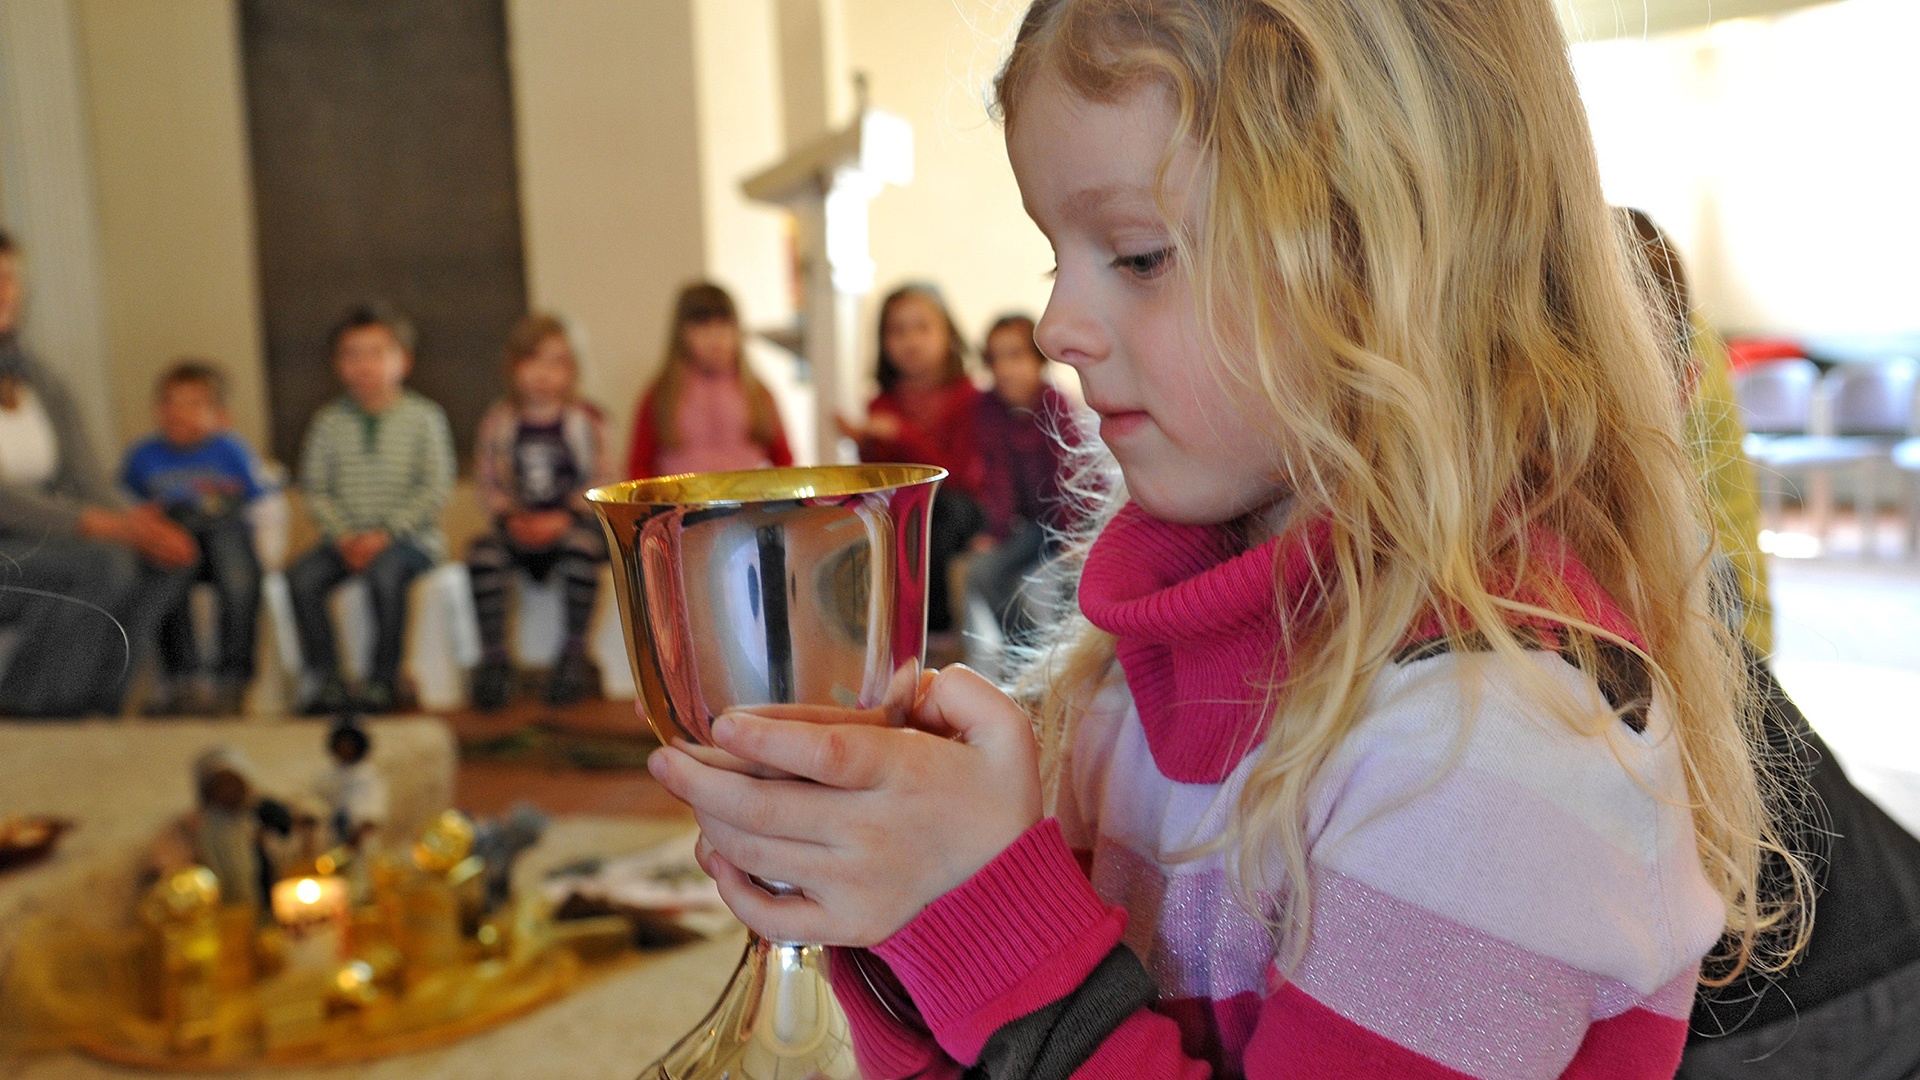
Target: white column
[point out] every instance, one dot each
(45, 159)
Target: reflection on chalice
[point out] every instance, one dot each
(800, 586)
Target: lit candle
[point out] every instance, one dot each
(312, 911)
(298, 902)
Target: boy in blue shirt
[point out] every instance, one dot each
(203, 476)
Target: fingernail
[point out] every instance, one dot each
(657, 762)
(723, 727)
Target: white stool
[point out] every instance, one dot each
(539, 630)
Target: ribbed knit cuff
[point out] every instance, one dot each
(1020, 934)
(883, 1044)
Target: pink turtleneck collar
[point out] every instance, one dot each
(1201, 633)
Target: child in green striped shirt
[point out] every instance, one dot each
(376, 471)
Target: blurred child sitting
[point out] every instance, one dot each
(1025, 429)
(376, 471)
(924, 415)
(705, 412)
(537, 454)
(202, 476)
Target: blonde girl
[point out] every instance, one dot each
(1394, 734)
(538, 451)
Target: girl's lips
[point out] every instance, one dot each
(1117, 425)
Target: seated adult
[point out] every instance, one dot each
(84, 581)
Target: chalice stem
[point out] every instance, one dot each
(777, 1020)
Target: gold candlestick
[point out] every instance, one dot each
(802, 585)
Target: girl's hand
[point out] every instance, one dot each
(883, 822)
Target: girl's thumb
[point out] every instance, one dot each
(960, 703)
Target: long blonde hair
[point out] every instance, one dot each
(1409, 269)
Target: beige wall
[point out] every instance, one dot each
(959, 224)
(1781, 155)
(174, 200)
(739, 123)
(49, 202)
(610, 187)
(1594, 20)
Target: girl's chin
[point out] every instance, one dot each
(1172, 496)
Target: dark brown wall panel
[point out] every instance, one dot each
(383, 166)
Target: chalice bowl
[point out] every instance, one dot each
(775, 586)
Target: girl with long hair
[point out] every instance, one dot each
(1394, 732)
(924, 414)
(705, 411)
(538, 451)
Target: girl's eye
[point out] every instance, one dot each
(1147, 264)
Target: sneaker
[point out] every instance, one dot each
(574, 679)
(492, 683)
(332, 699)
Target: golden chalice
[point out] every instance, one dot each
(801, 586)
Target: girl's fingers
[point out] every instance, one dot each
(777, 918)
(816, 714)
(785, 809)
(796, 862)
(715, 758)
(851, 757)
(960, 702)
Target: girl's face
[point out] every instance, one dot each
(914, 335)
(713, 345)
(1018, 368)
(546, 375)
(1122, 312)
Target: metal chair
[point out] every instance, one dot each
(1906, 459)
(1858, 411)
(1776, 407)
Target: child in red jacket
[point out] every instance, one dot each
(924, 415)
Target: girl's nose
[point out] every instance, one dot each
(1065, 333)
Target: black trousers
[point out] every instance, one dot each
(227, 560)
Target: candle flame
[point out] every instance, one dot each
(308, 891)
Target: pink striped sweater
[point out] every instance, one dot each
(1495, 895)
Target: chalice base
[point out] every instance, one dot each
(776, 1020)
